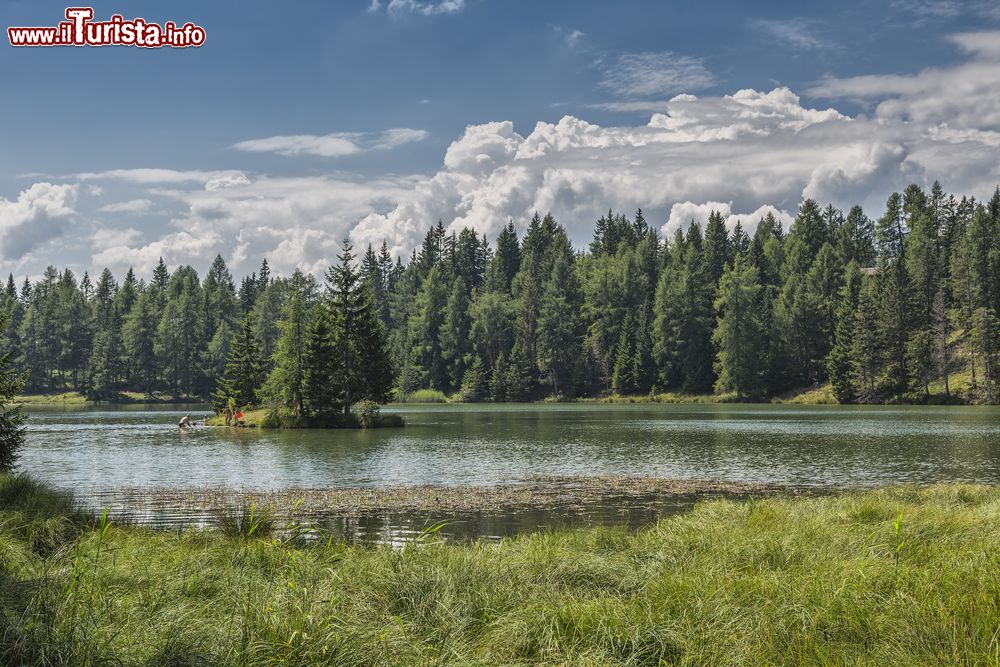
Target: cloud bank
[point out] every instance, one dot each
(745, 154)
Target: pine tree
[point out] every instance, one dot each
(856, 239)
(161, 276)
(492, 322)
(506, 261)
(983, 337)
(363, 359)
(560, 325)
(941, 333)
(643, 365)
(740, 334)
(454, 335)
(839, 363)
(866, 356)
(475, 383)
(536, 265)
(323, 386)
(286, 385)
(139, 341)
(718, 250)
(684, 314)
(244, 370)
(425, 332)
(11, 417)
(180, 336)
(623, 375)
(498, 380)
(266, 314)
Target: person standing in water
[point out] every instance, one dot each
(185, 421)
(228, 414)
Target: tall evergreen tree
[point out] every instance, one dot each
(560, 323)
(244, 370)
(11, 417)
(506, 261)
(740, 334)
(286, 385)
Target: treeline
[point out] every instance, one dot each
(883, 308)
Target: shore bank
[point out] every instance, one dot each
(263, 418)
(76, 399)
(892, 576)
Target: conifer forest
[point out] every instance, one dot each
(884, 307)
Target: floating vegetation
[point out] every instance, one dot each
(538, 493)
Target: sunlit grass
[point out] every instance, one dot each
(896, 576)
(64, 398)
(423, 396)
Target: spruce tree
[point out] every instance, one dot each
(560, 323)
(740, 334)
(324, 395)
(139, 341)
(475, 383)
(362, 356)
(454, 335)
(425, 332)
(286, 385)
(839, 363)
(506, 261)
(866, 357)
(244, 369)
(11, 417)
(623, 373)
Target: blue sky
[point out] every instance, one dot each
(291, 127)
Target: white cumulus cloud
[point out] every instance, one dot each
(964, 95)
(745, 154)
(39, 214)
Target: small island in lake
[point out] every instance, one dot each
(330, 367)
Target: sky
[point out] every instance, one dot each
(299, 124)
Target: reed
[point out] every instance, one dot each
(894, 576)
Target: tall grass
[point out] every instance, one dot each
(897, 576)
(422, 396)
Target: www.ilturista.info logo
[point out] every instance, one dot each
(79, 29)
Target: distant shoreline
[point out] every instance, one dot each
(821, 395)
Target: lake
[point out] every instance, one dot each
(94, 451)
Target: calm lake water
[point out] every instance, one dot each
(92, 451)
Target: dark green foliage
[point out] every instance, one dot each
(885, 310)
(506, 261)
(840, 362)
(560, 322)
(740, 334)
(323, 394)
(475, 383)
(244, 370)
(286, 385)
(11, 417)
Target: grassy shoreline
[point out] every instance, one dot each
(819, 395)
(75, 398)
(894, 576)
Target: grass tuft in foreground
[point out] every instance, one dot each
(896, 576)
